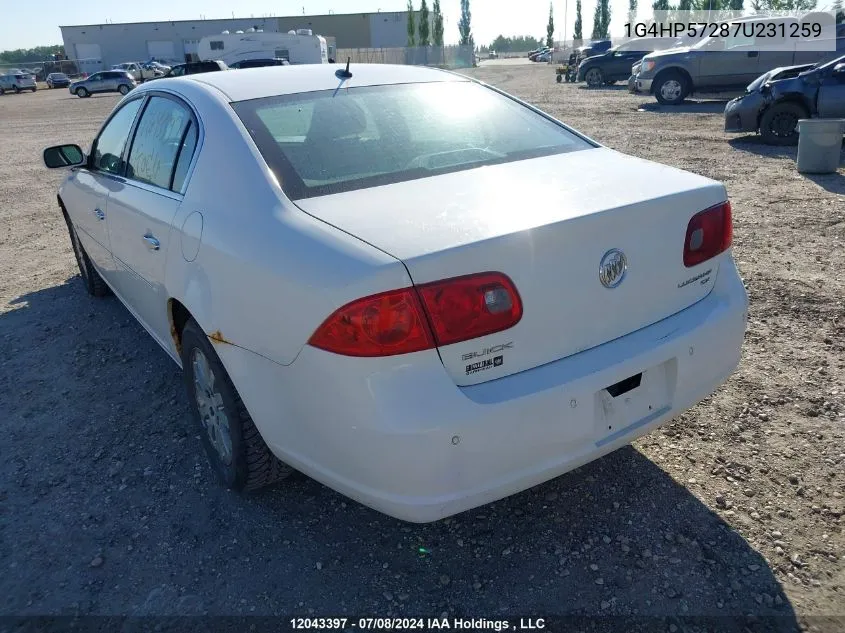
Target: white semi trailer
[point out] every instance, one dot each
(298, 47)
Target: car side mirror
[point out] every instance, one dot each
(63, 156)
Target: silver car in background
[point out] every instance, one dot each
(103, 81)
(17, 81)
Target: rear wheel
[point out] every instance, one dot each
(671, 88)
(594, 78)
(82, 93)
(94, 284)
(233, 444)
(779, 122)
(123, 89)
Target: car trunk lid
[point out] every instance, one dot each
(546, 223)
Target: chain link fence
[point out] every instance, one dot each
(41, 68)
(440, 56)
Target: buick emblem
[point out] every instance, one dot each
(612, 268)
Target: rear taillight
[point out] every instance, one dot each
(398, 322)
(708, 233)
(463, 308)
(379, 325)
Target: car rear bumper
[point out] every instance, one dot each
(743, 113)
(398, 435)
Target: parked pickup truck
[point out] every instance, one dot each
(717, 64)
(138, 71)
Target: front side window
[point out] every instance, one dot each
(108, 148)
(95, 77)
(158, 140)
(331, 141)
(216, 45)
(177, 71)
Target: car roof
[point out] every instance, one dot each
(255, 83)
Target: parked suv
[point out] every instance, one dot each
(717, 64)
(103, 81)
(615, 64)
(774, 103)
(195, 68)
(17, 82)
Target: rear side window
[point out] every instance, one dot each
(186, 153)
(108, 148)
(158, 140)
(326, 142)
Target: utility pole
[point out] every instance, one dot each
(565, 11)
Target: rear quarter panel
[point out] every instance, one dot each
(265, 274)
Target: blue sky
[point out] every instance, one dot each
(36, 22)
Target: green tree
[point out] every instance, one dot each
(412, 28)
(660, 5)
(605, 18)
(736, 5)
(465, 24)
(596, 35)
(425, 25)
(785, 5)
(550, 27)
(578, 34)
(632, 11)
(840, 14)
(517, 44)
(437, 30)
(39, 53)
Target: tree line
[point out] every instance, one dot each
(39, 53)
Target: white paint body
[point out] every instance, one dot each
(411, 435)
(301, 49)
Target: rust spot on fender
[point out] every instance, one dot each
(175, 335)
(217, 337)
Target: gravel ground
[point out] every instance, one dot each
(107, 506)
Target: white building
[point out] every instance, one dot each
(98, 46)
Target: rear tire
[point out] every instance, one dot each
(94, 284)
(778, 123)
(594, 78)
(123, 89)
(237, 452)
(671, 88)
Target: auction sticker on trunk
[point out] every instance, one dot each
(489, 363)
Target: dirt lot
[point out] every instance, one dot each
(107, 505)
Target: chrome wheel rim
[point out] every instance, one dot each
(671, 89)
(212, 412)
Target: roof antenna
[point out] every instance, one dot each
(344, 74)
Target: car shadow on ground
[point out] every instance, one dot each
(835, 183)
(707, 106)
(116, 512)
(619, 87)
(755, 144)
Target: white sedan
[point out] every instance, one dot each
(414, 288)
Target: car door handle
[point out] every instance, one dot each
(152, 243)
(753, 53)
(99, 213)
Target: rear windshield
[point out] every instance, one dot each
(332, 141)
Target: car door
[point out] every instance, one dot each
(734, 66)
(85, 195)
(831, 99)
(142, 208)
(109, 83)
(93, 83)
(621, 62)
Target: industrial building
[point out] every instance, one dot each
(99, 46)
